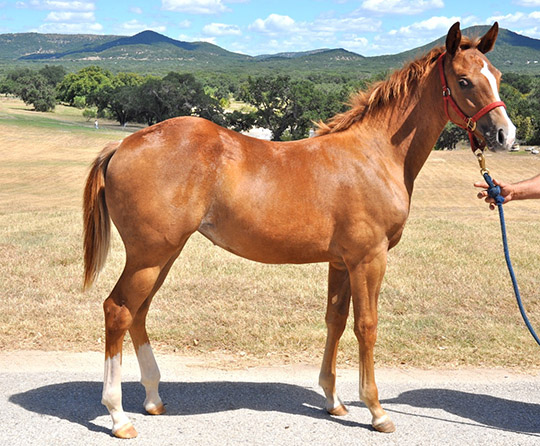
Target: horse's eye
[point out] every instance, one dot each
(463, 83)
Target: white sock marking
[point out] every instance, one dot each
(150, 376)
(112, 392)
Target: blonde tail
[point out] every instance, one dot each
(97, 224)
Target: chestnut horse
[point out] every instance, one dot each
(341, 197)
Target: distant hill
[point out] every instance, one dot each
(291, 55)
(149, 51)
(21, 45)
(512, 50)
(144, 46)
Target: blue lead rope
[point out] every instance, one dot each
(495, 193)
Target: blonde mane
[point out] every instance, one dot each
(380, 94)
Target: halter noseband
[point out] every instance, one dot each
(469, 123)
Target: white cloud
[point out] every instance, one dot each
(471, 20)
(518, 19)
(347, 24)
(532, 32)
(68, 6)
(401, 6)
(66, 16)
(71, 28)
(221, 29)
(194, 6)
(76, 17)
(273, 24)
(412, 36)
(211, 40)
(136, 10)
(432, 27)
(527, 3)
(355, 43)
(134, 27)
(58, 5)
(325, 31)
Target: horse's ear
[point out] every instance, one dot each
(488, 41)
(453, 39)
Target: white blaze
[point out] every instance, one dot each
(493, 83)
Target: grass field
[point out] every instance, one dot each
(446, 300)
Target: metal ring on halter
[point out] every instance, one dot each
(481, 161)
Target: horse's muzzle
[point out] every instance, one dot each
(497, 130)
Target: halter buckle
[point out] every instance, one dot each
(446, 92)
(470, 124)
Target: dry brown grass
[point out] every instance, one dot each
(446, 299)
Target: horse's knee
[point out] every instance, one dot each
(366, 331)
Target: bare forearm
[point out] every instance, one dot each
(526, 189)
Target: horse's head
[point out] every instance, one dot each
(473, 84)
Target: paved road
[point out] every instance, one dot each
(54, 399)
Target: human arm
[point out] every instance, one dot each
(523, 190)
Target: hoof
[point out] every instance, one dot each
(126, 431)
(384, 425)
(156, 410)
(339, 411)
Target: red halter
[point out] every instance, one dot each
(469, 123)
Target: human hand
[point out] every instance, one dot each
(505, 192)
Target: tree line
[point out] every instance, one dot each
(286, 106)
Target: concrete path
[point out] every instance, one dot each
(54, 399)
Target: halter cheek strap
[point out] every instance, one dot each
(469, 123)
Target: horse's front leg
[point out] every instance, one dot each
(337, 310)
(366, 279)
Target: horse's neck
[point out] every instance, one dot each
(413, 126)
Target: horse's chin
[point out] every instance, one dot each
(493, 145)
(497, 149)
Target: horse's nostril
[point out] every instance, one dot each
(500, 136)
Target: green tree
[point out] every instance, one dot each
(121, 103)
(290, 107)
(149, 104)
(87, 83)
(175, 95)
(240, 121)
(522, 99)
(127, 80)
(11, 83)
(53, 73)
(450, 137)
(533, 99)
(271, 98)
(36, 90)
(119, 97)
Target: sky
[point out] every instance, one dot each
(367, 27)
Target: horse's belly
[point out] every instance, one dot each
(266, 244)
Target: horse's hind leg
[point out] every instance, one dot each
(150, 375)
(138, 282)
(339, 298)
